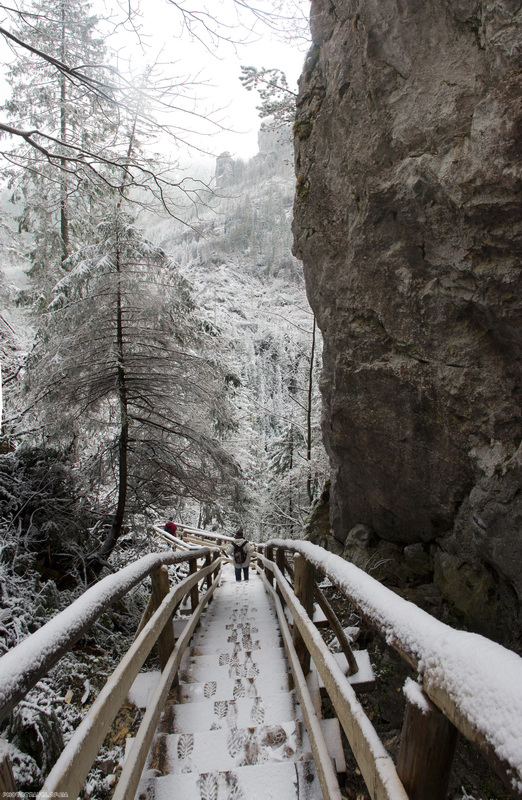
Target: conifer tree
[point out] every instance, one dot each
(121, 371)
(55, 195)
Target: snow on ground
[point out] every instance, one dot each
(482, 678)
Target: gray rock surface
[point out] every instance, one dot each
(408, 221)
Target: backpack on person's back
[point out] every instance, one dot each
(239, 553)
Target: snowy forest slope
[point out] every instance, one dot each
(250, 288)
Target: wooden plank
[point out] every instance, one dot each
(304, 584)
(377, 768)
(323, 760)
(428, 741)
(280, 561)
(136, 758)
(268, 571)
(160, 590)
(73, 765)
(7, 781)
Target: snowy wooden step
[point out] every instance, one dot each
(254, 638)
(201, 648)
(331, 729)
(220, 658)
(315, 692)
(218, 750)
(143, 688)
(226, 620)
(195, 673)
(363, 680)
(227, 617)
(233, 688)
(225, 714)
(284, 781)
(319, 618)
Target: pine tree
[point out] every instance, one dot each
(56, 195)
(121, 372)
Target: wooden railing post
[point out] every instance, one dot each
(426, 751)
(304, 583)
(194, 594)
(268, 572)
(280, 561)
(160, 589)
(208, 579)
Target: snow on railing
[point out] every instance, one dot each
(22, 666)
(475, 682)
(175, 541)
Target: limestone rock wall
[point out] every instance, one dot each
(408, 220)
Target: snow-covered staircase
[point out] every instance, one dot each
(232, 729)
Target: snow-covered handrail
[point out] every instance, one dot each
(212, 535)
(475, 682)
(176, 542)
(23, 666)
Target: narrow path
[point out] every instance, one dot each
(232, 729)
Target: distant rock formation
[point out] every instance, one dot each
(408, 220)
(274, 141)
(225, 170)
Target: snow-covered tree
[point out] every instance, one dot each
(122, 371)
(55, 193)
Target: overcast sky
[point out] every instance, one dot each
(215, 64)
(219, 65)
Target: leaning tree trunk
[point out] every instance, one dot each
(123, 441)
(309, 480)
(109, 544)
(64, 189)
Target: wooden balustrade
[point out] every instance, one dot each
(20, 670)
(432, 717)
(429, 729)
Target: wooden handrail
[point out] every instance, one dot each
(69, 772)
(445, 659)
(323, 760)
(22, 667)
(135, 762)
(330, 615)
(374, 762)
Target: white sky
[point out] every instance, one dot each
(219, 66)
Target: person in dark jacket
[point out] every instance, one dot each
(240, 551)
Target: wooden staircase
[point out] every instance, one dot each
(232, 727)
(234, 715)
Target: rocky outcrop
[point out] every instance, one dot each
(408, 221)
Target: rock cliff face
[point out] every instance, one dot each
(408, 220)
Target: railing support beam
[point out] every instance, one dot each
(7, 781)
(280, 561)
(194, 594)
(304, 584)
(426, 752)
(160, 589)
(268, 572)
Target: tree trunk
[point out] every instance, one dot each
(64, 199)
(123, 440)
(309, 481)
